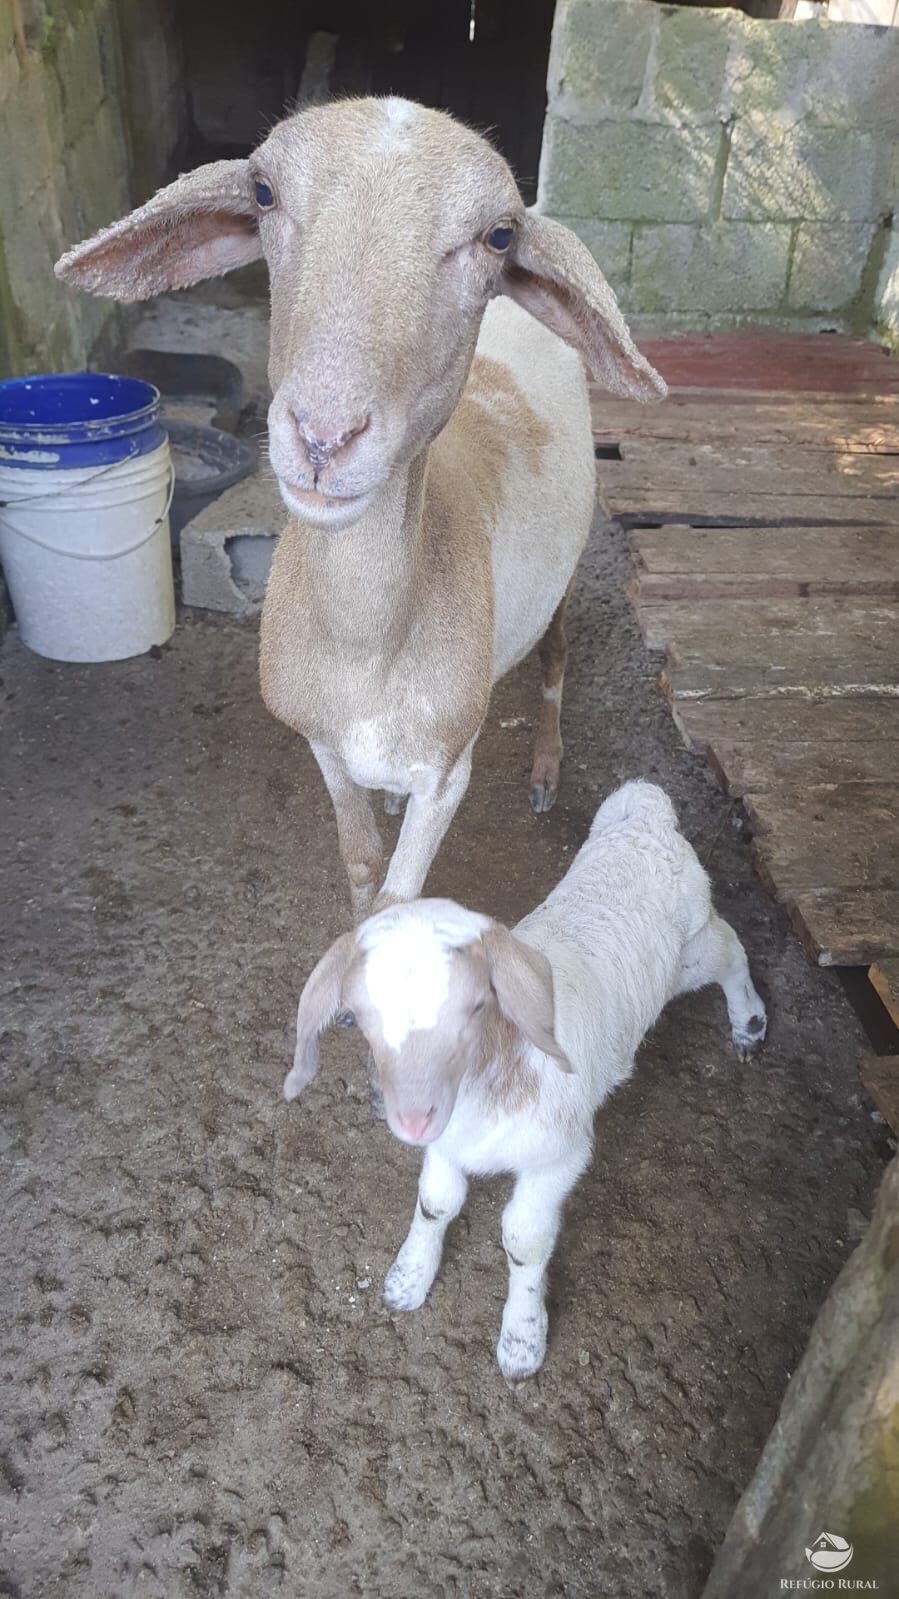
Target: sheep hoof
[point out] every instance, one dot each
(748, 1040)
(543, 797)
(406, 1286)
(520, 1353)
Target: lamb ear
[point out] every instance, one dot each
(319, 1003)
(522, 980)
(202, 225)
(553, 275)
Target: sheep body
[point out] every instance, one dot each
(629, 926)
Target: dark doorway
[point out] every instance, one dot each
(483, 60)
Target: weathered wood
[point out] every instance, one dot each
(880, 1075)
(785, 722)
(884, 975)
(758, 768)
(705, 506)
(784, 642)
(723, 563)
(847, 927)
(768, 362)
(653, 475)
(806, 422)
(829, 836)
(690, 683)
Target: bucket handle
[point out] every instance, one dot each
(77, 555)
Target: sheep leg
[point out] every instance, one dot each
(441, 1195)
(553, 652)
(716, 956)
(530, 1227)
(361, 848)
(429, 811)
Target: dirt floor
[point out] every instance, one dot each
(203, 1393)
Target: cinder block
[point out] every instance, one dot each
(628, 171)
(828, 262)
(690, 64)
(842, 75)
(609, 244)
(227, 550)
(805, 172)
(598, 57)
(719, 268)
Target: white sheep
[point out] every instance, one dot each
(431, 440)
(495, 1048)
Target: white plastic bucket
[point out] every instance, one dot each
(87, 556)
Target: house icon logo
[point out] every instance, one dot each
(829, 1552)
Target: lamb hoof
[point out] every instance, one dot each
(543, 797)
(345, 1019)
(748, 1040)
(405, 1287)
(393, 803)
(520, 1352)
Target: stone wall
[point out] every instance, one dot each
(89, 117)
(720, 168)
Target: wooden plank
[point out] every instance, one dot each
(774, 361)
(812, 423)
(847, 927)
(804, 641)
(736, 682)
(757, 768)
(884, 975)
(829, 836)
(710, 507)
(668, 472)
(679, 562)
(880, 1075)
(786, 722)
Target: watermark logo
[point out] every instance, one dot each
(829, 1552)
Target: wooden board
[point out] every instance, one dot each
(884, 974)
(846, 927)
(720, 563)
(752, 360)
(869, 427)
(783, 642)
(880, 1075)
(830, 836)
(740, 506)
(666, 476)
(757, 768)
(783, 722)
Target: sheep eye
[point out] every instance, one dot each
(476, 1009)
(265, 198)
(499, 238)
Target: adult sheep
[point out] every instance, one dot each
(430, 437)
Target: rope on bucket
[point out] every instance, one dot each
(79, 555)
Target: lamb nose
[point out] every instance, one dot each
(417, 1126)
(320, 443)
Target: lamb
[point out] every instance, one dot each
(495, 1048)
(430, 438)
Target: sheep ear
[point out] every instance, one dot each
(522, 980)
(553, 275)
(319, 1003)
(202, 225)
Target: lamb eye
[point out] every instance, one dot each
(499, 238)
(476, 1009)
(265, 198)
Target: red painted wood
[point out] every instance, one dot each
(807, 362)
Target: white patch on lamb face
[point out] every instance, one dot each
(407, 976)
(408, 950)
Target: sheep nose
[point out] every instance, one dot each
(417, 1126)
(321, 441)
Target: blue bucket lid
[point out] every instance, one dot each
(75, 408)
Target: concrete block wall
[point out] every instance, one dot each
(724, 169)
(68, 166)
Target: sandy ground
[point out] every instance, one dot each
(202, 1391)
